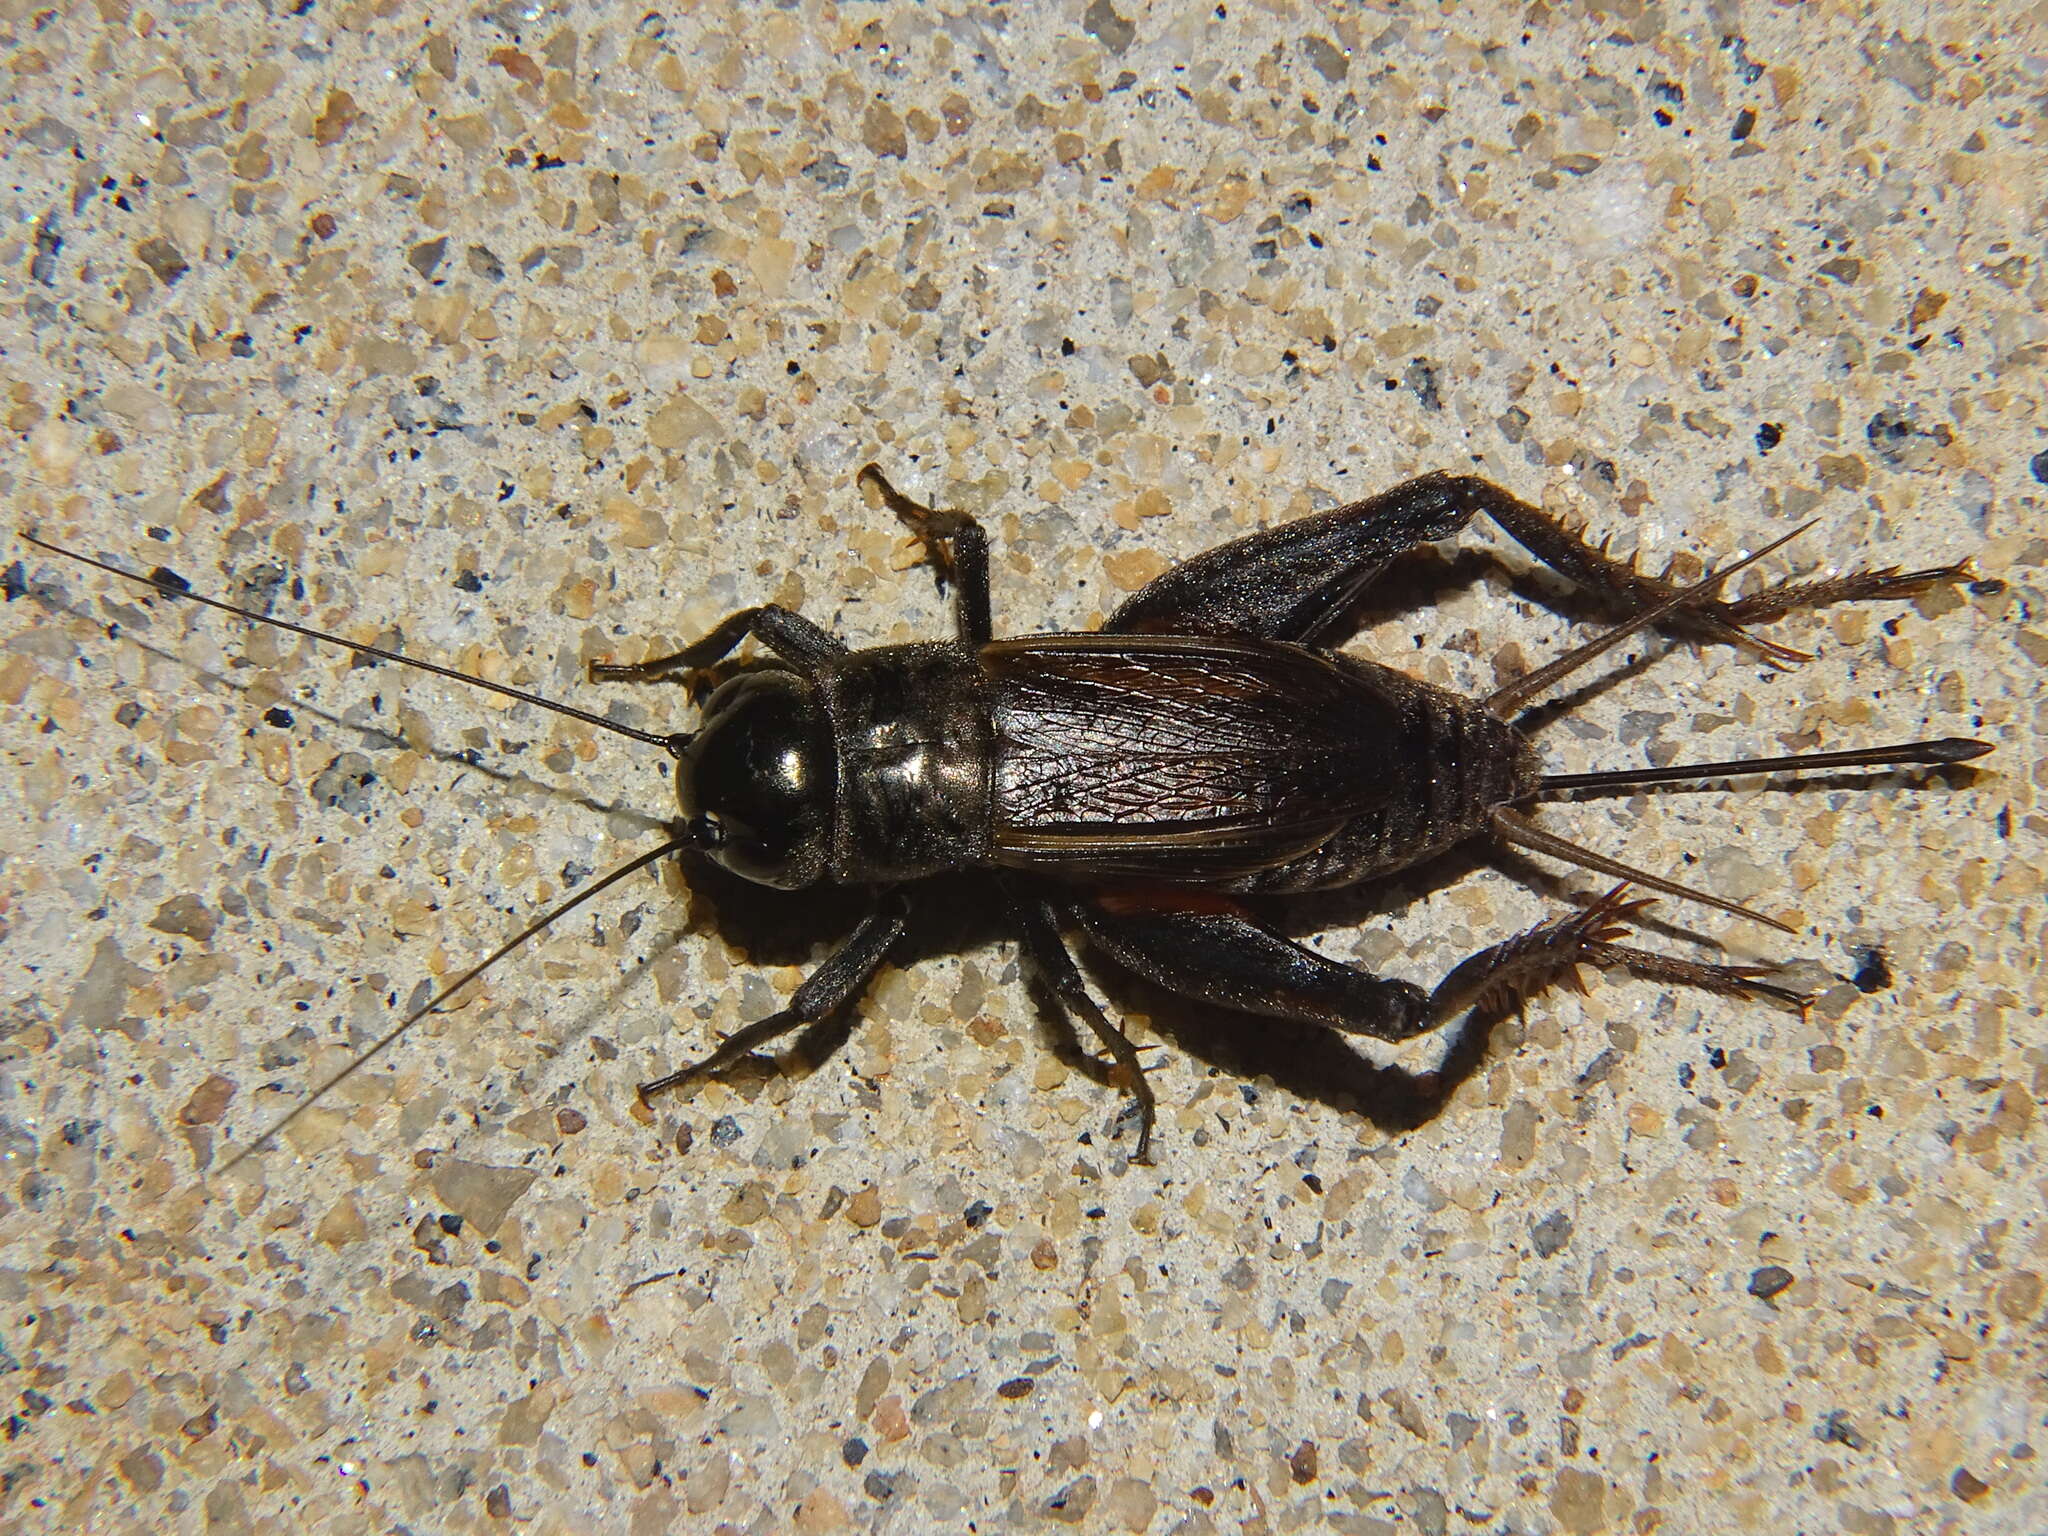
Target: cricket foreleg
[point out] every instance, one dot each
(790, 636)
(956, 548)
(824, 992)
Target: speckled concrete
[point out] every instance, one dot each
(542, 337)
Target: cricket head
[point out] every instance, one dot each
(757, 780)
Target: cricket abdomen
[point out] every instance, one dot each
(1450, 764)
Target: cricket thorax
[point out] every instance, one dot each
(911, 724)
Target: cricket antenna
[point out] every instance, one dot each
(391, 1036)
(1950, 749)
(169, 587)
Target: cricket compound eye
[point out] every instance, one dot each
(759, 779)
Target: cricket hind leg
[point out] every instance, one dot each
(1225, 958)
(1298, 581)
(1549, 953)
(1783, 597)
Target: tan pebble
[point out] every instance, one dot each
(470, 130)
(54, 449)
(274, 757)
(594, 1334)
(479, 1193)
(1229, 199)
(705, 1489)
(2019, 1295)
(1131, 1504)
(115, 1392)
(338, 116)
(748, 1204)
(639, 528)
(1518, 1135)
(679, 422)
(821, 1512)
(343, 1224)
(524, 1418)
(516, 64)
(972, 1303)
(1158, 183)
(15, 676)
(865, 1208)
(506, 1290)
(1578, 1499)
(315, 1131)
(772, 262)
(209, 1101)
(889, 1420)
(638, 1463)
(1134, 568)
(882, 131)
(381, 355)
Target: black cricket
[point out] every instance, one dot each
(1148, 783)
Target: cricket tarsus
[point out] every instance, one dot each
(397, 1031)
(1949, 749)
(673, 744)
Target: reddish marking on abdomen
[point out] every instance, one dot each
(1168, 898)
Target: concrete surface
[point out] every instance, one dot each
(522, 337)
